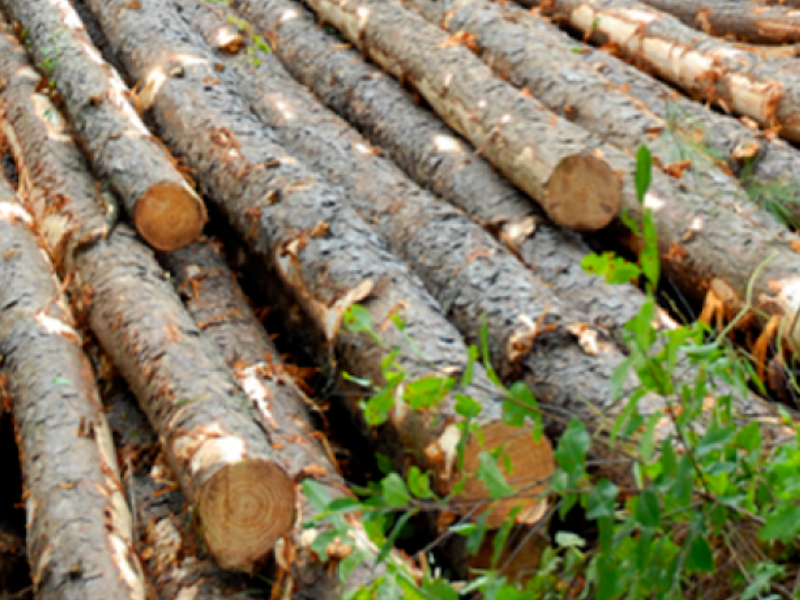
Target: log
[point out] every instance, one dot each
(743, 21)
(165, 210)
(326, 256)
(79, 532)
(739, 82)
(573, 184)
(225, 462)
(436, 158)
(701, 245)
(537, 59)
(176, 564)
(221, 310)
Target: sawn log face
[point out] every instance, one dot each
(210, 436)
(79, 531)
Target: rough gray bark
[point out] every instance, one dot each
(769, 168)
(701, 245)
(539, 60)
(324, 253)
(436, 158)
(79, 532)
(740, 82)
(570, 180)
(223, 458)
(166, 211)
(176, 564)
(744, 21)
(222, 312)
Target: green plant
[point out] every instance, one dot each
(710, 509)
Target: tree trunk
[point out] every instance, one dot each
(433, 156)
(539, 60)
(177, 565)
(701, 244)
(743, 21)
(222, 312)
(571, 181)
(324, 253)
(224, 459)
(79, 532)
(166, 211)
(738, 81)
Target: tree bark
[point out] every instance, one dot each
(435, 158)
(573, 184)
(222, 312)
(165, 210)
(701, 244)
(539, 60)
(176, 564)
(224, 459)
(79, 533)
(738, 81)
(743, 21)
(324, 253)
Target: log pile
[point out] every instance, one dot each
(447, 165)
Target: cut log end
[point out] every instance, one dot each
(532, 465)
(583, 193)
(245, 509)
(170, 216)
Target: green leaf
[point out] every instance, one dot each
(467, 407)
(492, 478)
(601, 500)
(358, 319)
(782, 525)
(61, 381)
(647, 511)
(318, 497)
(520, 406)
(700, 558)
(572, 448)
(475, 539)
(378, 407)
(396, 530)
(419, 483)
(469, 369)
(394, 491)
(643, 175)
(384, 463)
(427, 392)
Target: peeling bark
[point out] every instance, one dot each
(79, 532)
(434, 157)
(221, 310)
(323, 252)
(538, 59)
(738, 81)
(743, 21)
(165, 210)
(224, 459)
(508, 128)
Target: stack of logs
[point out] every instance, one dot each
(442, 162)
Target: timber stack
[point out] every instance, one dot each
(419, 182)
